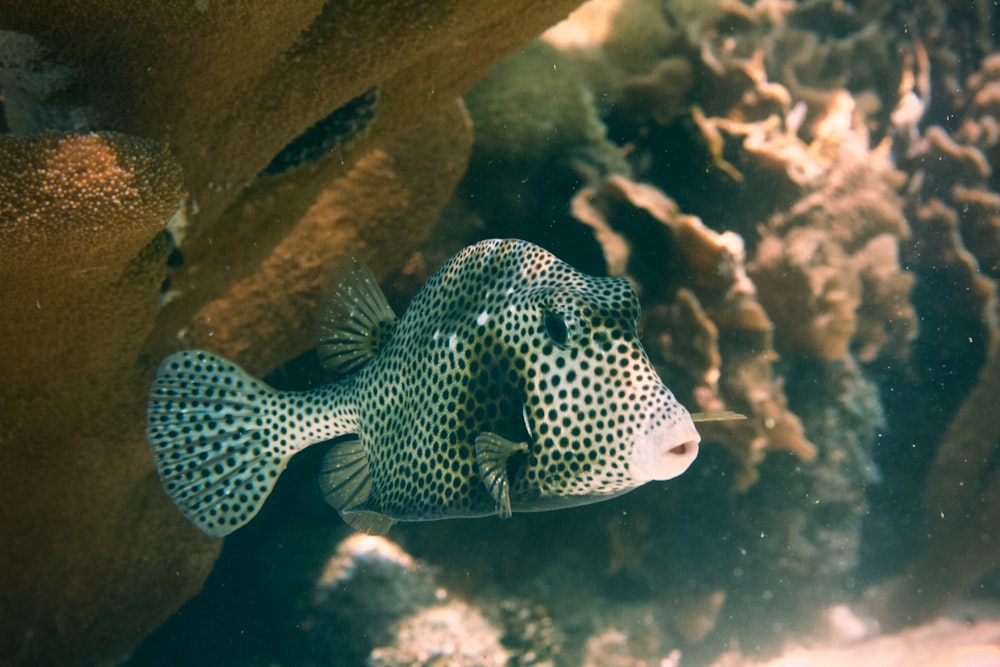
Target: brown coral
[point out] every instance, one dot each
(847, 198)
(395, 193)
(961, 513)
(955, 220)
(229, 87)
(702, 296)
(81, 275)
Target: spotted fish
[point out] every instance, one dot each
(512, 383)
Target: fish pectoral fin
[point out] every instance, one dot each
(372, 523)
(492, 453)
(354, 319)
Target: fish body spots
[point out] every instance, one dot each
(512, 382)
(536, 352)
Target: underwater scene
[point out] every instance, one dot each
(624, 333)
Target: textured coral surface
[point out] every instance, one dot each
(264, 141)
(82, 254)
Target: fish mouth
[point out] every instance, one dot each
(665, 452)
(681, 449)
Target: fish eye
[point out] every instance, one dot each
(555, 327)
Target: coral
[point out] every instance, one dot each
(81, 251)
(276, 117)
(128, 297)
(218, 73)
(787, 208)
(775, 300)
(705, 300)
(442, 636)
(535, 122)
(970, 154)
(947, 199)
(530, 635)
(397, 196)
(366, 589)
(531, 105)
(359, 599)
(961, 512)
(947, 642)
(953, 205)
(231, 87)
(716, 333)
(839, 239)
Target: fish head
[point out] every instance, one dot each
(601, 421)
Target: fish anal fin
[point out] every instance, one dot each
(365, 521)
(346, 482)
(344, 477)
(492, 453)
(354, 320)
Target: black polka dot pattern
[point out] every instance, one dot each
(504, 339)
(220, 438)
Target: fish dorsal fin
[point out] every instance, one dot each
(346, 482)
(355, 318)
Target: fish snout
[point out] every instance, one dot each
(666, 448)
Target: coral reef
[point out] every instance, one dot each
(391, 189)
(82, 246)
(790, 295)
(720, 338)
(443, 635)
(531, 107)
(365, 591)
(705, 297)
(961, 505)
(296, 134)
(804, 196)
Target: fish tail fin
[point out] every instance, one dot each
(217, 439)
